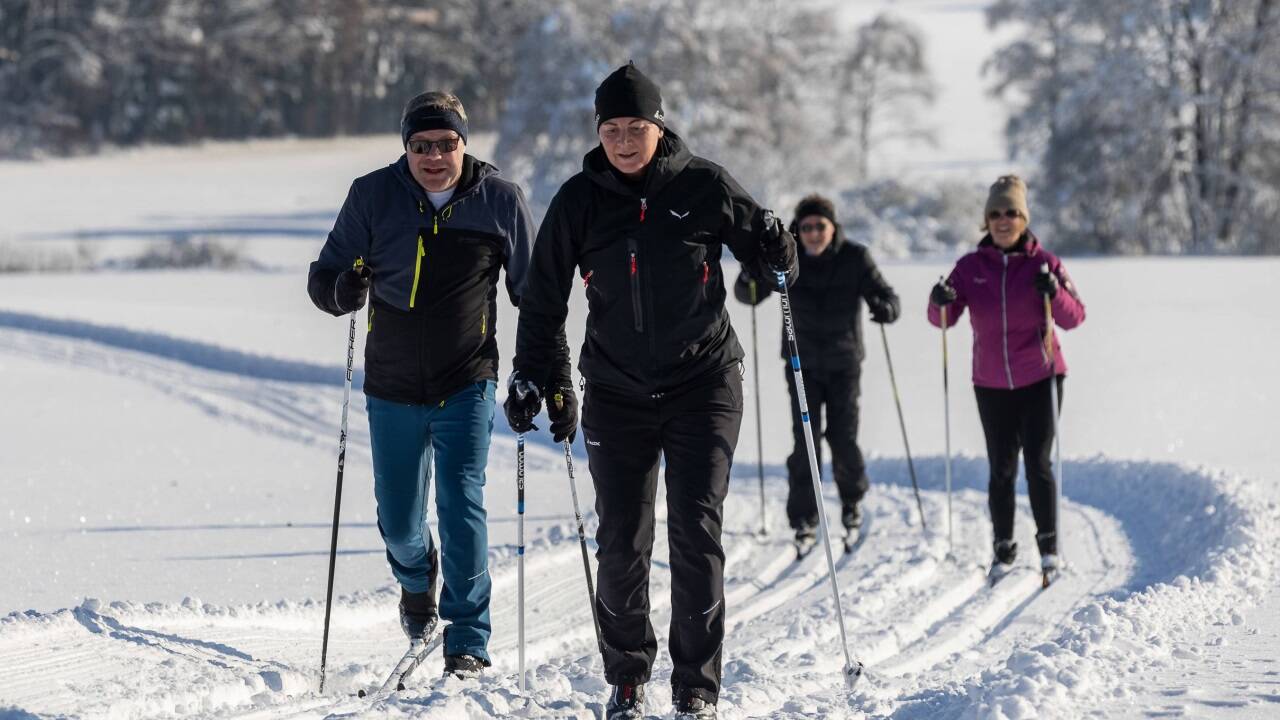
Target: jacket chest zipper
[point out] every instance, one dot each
(417, 269)
(1004, 318)
(635, 285)
(643, 207)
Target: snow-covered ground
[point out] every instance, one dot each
(169, 449)
(168, 477)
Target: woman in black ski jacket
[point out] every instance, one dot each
(643, 226)
(836, 277)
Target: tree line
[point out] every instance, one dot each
(1154, 125)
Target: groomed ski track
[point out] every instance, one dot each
(937, 641)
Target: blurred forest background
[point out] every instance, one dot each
(1151, 126)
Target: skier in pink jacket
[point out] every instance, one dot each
(1003, 284)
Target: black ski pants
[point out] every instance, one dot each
(1021, 420)
(696, 429)
(839, 393)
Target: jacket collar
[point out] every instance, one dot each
(671, 158)
(474, 173)
(1027, 245)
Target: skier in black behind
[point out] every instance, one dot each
(643, 224)
(836, 276)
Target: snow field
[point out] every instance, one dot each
(169, 448)
(1158, 551)
(937, 640)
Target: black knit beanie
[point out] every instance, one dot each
(815, 204)
(628, 93)
(427, 112)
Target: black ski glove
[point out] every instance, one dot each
(1047, 284)
(742, 288)
(351, 289)
(884, 310)
(774, 244)
(563, 411)
(942, 294)
(524, 402)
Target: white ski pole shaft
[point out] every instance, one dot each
(520, 553)
(582, 543)
(852, 668)
(946, 416)
(902, 423)
(755, 371)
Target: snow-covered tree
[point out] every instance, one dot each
(1154, 121)
(746, 84)
(885, 86)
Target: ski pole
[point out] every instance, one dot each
(337, 497)
(852, 668)
(520, 552)
(946, 415)
(582, 541)
(1053, 399)
(755, 371)
(915, 486)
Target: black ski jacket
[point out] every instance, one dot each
(826, 304)
(649, 258)
(432, 307)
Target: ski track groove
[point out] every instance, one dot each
(764, 585)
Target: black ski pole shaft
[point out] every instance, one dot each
(582, 543)
(520, 551)
(852, 668)
(902, 423)
(337, 495)
(755, 371)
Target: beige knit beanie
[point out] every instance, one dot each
(1008, 193)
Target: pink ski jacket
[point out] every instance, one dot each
(1007, 313)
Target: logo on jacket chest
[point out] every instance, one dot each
(679, 216)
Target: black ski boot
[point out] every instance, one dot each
(806, 538)
(851, 518)
(1049, 569)
(418, 614)
(1006, 551)
(692, 707)
(626, 702)
(463, 667)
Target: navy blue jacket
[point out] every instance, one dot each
(433, 300)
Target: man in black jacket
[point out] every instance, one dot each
(836, 276)
(432, 230)
(643, 225)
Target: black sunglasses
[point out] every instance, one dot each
(996, 214)
(812, 227)
(423, 147)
